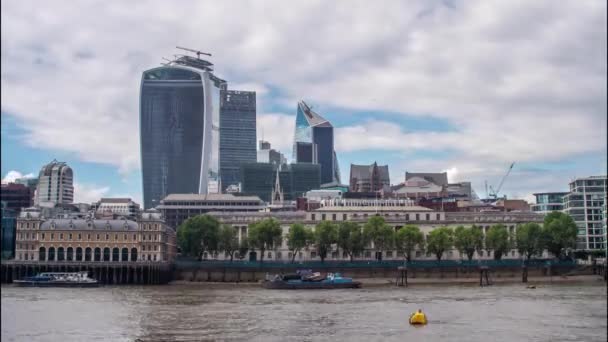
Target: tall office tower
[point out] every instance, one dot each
(237, 134)
(179, 128)
(55, 184)
(260, 179)
(585, 204)
(314, 143)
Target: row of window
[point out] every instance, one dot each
(416, 217)
(34, 236)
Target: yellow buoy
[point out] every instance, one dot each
(418, 318)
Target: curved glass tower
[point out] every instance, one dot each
(179, 119)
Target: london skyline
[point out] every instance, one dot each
(461, 87)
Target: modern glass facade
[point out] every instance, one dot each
(259, 179)
(8, 233)
(178, 107)
(548, 201)
(585, 204)
(314, 142)
(237, 134)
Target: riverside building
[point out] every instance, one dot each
(584, 203)
(547, 202)
(92, 240)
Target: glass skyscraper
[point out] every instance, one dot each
(237, 134)
(314, 143)
(179, 128)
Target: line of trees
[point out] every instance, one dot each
(206, 234)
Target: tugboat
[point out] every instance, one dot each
(57, 279)
(308, 280)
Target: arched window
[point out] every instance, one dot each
(125, 254)
(42, 254)
(60, 254)
(87, 254)
(70, 254)
(97, 254)
(106, 254)
(133, 254)
(78, 254)
(115, 254)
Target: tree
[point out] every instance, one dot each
(408, 239)
(378, 232)
(326, 234)
(497, 239)
(440, 240)
(264, 235)
(198, 234)
(243, 247)
(559, 233)
(228, 240)
(350, 238)
(468, 240)
(298, 237)
(529, 239)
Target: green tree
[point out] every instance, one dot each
(198, 234)
(529, 239)
(381, 234)
(350, 238)
(559, 233)
(408, 239)
(468, 240)
(228, 240)
(264, 235)
(298, 237)
(326, 234)
(497, 240)
(243, 247)
(439, 240)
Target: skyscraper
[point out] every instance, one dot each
(55, 184)
(314, 143)
(179, 128)
(237, 134)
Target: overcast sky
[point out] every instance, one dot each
(460, 86)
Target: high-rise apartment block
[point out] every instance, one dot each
(585, 204)
(179, 128)
(314, 143)
(237, 134)
(55, 184)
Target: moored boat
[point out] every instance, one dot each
(59, 279)
(310, 281)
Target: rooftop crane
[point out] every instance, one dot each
(198, 53)
(494, 193)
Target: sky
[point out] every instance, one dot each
(466, 87)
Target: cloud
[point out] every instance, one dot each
(518, 80)
(88, 193)
(13, 175)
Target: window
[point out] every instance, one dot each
(134, 237)
(107, 236)
(61, 236)
(70, 236)
(343, 217)
(312, 217)
(313, 255)
(42, 236)
(79, 236)
(438, 217)
(389, 254)
(97, 236)
(323, 217)
(115, 236)
(333, 217)
(417, 217)
(52, 236)
(407, 217)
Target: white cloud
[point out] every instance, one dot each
(12, 175)
(88, 193)
(517, 80)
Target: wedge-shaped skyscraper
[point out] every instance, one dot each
(179, 128)
(314, 143)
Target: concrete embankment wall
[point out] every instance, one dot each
(248, 274)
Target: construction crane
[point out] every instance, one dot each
(198, 53)
(494, 193)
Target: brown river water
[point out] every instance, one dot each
(565, 312)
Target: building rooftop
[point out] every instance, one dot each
(313, 118)
(210, 197)
(375, 209)
(115, 200)
(82, 224)
(440, 179)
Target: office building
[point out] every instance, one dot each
(584, 203)
(462, 191)
(176, 208)
(266, 154)
(314, 143)
(237, 134)
(369, 178)
(55, 184)
(547, 202)
(15, 196)
(179, 128)
(8, 232)
(259, 179)
(31, 183)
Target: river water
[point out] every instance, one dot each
(241, 312)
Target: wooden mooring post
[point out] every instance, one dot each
(483, 274)
(401, 276)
